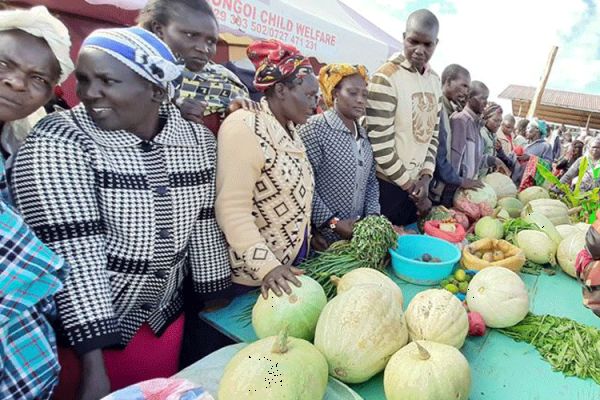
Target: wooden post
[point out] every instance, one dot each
(537, 98)
(587, 124)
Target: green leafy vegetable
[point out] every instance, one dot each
(514, 226)
(570, 347)
(532, 268)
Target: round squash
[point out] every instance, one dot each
(533, 193)
(499, 295)
(489, 227)
(438, 316)
(512, 206)
(555, 210)
(567, 252)
(299, 311)
(275, 368)
(502, 185)
(566, 231)
(359, 330)
(537, 246)
(362, 276)
(427, 371)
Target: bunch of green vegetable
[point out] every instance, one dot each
(371, 239)
(570, 347)
(514, 226)
(532, 268)
(583, 204)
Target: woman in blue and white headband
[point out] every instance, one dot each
(123, 188)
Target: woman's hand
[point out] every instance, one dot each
(318, 242)
(421, 189)
(344, 228)
(278, 280)
(192, 109)
(243, 104)
(94, 380)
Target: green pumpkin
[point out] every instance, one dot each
(298, 311)
(275, 368)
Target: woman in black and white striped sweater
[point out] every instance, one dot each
(123, 188)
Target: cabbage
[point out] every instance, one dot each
(485, 195)
(489, 227)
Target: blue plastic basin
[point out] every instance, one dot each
(418, 272)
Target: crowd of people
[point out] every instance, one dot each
(167, 190)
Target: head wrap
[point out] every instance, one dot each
(540, 125)
(141, 51)
(332, 74)
(38, 22)
(276, 61)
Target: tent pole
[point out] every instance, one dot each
(537, 98)
(587, 124)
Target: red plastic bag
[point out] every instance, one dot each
(432, 228)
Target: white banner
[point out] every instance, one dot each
(313, 36)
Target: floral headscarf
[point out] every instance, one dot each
(275, 62)
(331, 75)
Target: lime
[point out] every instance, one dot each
(451, 288)
(463, 286)
(460, 275)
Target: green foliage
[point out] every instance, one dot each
(587, 202)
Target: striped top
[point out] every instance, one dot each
(403, 114)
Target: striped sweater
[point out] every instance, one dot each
(403, 114)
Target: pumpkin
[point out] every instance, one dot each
(275, 368)
(359, 330)
(533, 193)
(555, 210)
(499, 295)
(537, 246)
(544, 224)
(567, 252)
(437, 315)
(582, 226)
(427, 371)
(502, 185)
(512, 206)
(361, 276)
(489, 227)
(299, 311)
(566, 231)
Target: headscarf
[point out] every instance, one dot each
(332, 74)
(540, 125)
(490, 109)
(276, 61)
(141, 51)
(38, 22)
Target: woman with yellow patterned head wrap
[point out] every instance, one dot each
(331, 75)
(341, 156)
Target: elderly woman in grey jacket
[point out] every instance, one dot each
(346, 189)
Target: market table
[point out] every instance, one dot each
(501, 368)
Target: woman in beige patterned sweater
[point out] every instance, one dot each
(264, 178)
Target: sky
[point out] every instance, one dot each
(507, 42)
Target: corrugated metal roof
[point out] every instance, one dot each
(558, 98)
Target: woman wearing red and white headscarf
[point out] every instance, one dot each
(264, 178)
(588, 267)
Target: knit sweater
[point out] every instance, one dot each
(264, 193)
(403, 114)
(133, 219)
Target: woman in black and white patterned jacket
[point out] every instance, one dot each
(123, 188)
